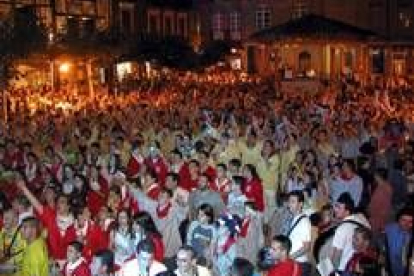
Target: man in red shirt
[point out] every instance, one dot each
(75, 265)
(58, 222)
(284, 266)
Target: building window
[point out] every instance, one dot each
(235, 26)
(218, 26)
(263, 17)
(304, 62)
(126, 21)
(405, 19)
(153, 25)
(300, 8)
(168, 28)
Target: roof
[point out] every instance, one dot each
(314, 27)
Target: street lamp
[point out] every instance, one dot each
(64, 67)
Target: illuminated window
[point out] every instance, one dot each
(300, 8)
(263, 17)
(405, 19)
(235, 26)
(218, 26)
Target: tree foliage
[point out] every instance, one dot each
(21, 35)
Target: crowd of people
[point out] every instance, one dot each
(210, 174)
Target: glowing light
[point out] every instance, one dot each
(64, 67)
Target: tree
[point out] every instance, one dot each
(21, 35)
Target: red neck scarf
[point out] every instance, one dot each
(245, 227)
(162, 211)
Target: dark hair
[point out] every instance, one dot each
(235, 162)
(195, 162)
(406, 211)
(208, 210)
(145, 221)
(107, 259)
(223, 166)
(346, 199)
(169, 192)
(398, 164)
(77, 245)
(238, 180)
(190, 249)
(175, 177)
(177, 152)
(265, 258)
(350, 163)
(252, 170)
(365, 233)
(298, 194)
(151, 173)
(382, 172)
(284, 242)
(145, 245)
(242, 267)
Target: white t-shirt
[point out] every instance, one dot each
(131, 268)
(300, 235)
(343, 238)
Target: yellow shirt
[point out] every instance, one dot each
(286, 159)
(35, 259)
(250, 155)
(268, 171)
(17, 249)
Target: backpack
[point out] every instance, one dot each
(323, 244)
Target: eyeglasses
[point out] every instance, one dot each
(182, 260)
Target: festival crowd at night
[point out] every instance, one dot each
(209, 174)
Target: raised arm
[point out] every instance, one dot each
(32, 199)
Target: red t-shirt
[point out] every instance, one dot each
(285, 268)
(253, 190)
(81, 270)
(57, 241)
(96, 200)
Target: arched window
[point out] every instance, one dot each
(304, 62)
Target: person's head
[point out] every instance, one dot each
(171, 181)
(62, 204)
(83, 215)
(30, 229)
(405, 219)
(10, 219)
(80, 182)
(150, 177)
(164, 196)
(205, 214)
(348, 166)
(381, 175)
(123, 219)
(344, 206)
(268, 147)
(327, 213)
(237, 184)
(143, 224)
(221, 170)
(21, 204)
(203, 181)
(203, 157)
(281, 246)
(234, 166)
(249, 171)
(296, 200)
(361, 239)
(145, 254)
(242, 267)
(102, 263)
(74, 251)
(186, 260)
(194, 167)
